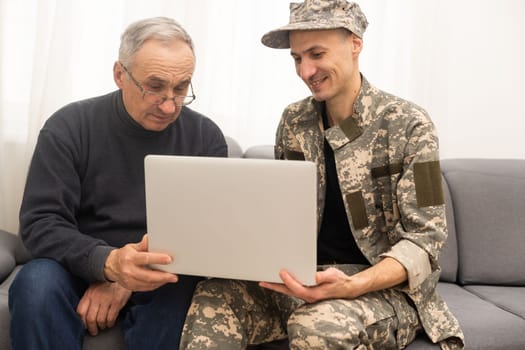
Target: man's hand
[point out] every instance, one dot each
(335, 284)
(129, 267)
(330, 284)
(101, 304)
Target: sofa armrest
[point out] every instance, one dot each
(234, 149)
(12, 253)
(7, 253)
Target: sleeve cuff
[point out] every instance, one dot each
(414, 259)
(97, 261)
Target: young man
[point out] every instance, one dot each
(83, 213)
(381, 210)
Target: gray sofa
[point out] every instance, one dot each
(483, 278)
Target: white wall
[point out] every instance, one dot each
(460, 59)
(463, 61)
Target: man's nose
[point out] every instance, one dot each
(168, 106)
(306, 70)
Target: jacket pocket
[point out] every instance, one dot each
(387, 210)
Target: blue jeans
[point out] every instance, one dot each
(43, 300)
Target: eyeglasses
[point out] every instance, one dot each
(156, 98)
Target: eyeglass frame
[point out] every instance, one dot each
(163, 97)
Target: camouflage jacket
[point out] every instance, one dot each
(387, 163)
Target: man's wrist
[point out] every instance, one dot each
(109, 272)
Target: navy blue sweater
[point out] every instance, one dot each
(85, 189)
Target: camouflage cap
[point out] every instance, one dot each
(318, 15)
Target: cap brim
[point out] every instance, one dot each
(280, 37)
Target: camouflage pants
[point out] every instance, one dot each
(230, 314)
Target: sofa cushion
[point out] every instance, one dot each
(486, 326)
(490, 240)
(109, 339)
(449, 256)
(260, 151)
(508, 298)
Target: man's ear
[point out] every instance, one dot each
(118, 72)
(357, 44)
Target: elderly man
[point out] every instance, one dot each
(381, 210)
(83, 212)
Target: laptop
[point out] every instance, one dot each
(232, 217)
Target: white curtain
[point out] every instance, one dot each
(461, 60)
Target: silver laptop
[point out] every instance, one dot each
(233, 218)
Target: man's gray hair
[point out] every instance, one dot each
(159, 28)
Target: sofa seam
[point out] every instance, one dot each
(498, 305)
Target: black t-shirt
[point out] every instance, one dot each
(335, 242)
